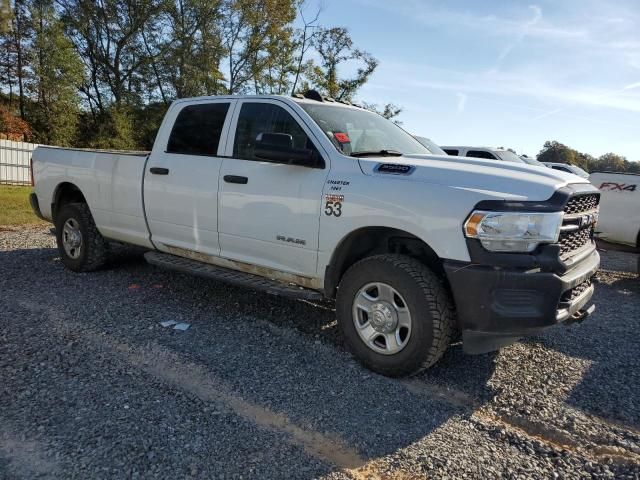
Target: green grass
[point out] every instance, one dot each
(14, 206)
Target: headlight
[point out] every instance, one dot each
(513, 231)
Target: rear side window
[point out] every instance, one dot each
(451, 151)
(256, 118)
(480, 154)
(197, 129)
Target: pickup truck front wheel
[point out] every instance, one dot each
(82, 248)
(395, 315)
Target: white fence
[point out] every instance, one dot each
(15, 160)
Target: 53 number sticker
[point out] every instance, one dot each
(333, 205)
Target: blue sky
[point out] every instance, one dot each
(504, 73)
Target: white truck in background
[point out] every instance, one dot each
(619, 220)
(310, 198)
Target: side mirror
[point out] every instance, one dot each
(278, 148)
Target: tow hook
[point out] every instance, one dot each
(580, 315)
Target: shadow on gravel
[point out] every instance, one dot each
(283, 356)
(610, 388)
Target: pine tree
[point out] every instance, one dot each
(56, 74)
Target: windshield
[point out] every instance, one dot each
(579, 171)
(429, 145)
(354, 131)
(508, 156)
(532, 161)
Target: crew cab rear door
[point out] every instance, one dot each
(181, 178)
(270, 212)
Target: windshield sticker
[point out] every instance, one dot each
(341, 137)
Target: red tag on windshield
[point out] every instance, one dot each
(341, 137)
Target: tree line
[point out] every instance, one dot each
(101, 73)
(554, 151)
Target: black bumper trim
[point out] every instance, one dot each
(496, 306)
(35, 206)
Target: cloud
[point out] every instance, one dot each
(601, 100)
(462, 101)
(543, 86)
(524, 31)
(434, 14)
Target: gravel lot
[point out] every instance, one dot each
(260, 387)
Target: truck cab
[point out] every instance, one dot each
(312, 198)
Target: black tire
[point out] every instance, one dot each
(95, 249)
(432, 314)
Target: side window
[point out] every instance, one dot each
(562, 169)
(451, 151)
(256, 118)
(481, 154)
(197, 129)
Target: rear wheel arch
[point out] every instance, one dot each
(369, 241)
(65, 193)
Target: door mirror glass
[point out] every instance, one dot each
(278, 148)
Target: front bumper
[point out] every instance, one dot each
(498, 305)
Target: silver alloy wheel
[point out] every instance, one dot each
(382, 318)
(72, 238)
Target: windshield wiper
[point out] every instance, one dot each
(377, 153)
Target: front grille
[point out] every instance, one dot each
(572, 241)
(582, 203)
(573, 293)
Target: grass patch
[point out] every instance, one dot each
(15, 208)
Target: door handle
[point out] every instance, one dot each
(236, 179)
(159, 171)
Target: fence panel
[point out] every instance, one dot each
(15, 160)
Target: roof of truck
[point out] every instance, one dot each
(298, 98)
(493, 149)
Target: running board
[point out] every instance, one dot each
(227, 275)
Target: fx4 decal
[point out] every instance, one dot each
(617, 187)
(333, 205)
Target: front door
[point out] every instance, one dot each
(181, 178)
(269, 213)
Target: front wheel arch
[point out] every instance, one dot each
(368, 241)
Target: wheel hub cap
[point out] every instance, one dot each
(383, 317)
(72, 238)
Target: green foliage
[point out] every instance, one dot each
(113, 129)
(554, 151)
(186, 63)
(388, 111)
(335, 48)
(56, 74)
(254, 35)
(83, 72)
(148, 120)
(5, 16)
(558, 153)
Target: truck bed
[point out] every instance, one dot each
(111, 181)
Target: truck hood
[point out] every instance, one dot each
(501, 180)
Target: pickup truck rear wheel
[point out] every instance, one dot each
(82, 248)
(394, 313)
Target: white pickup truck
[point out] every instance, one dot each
(312, 198)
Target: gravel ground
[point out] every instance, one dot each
(261, 387)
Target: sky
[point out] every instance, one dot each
(504, 73)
